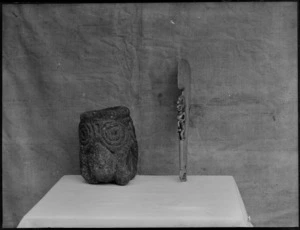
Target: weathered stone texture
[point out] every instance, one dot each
(108, 146)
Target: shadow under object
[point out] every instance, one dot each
(108, 146)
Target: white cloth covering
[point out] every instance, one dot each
(147, 201)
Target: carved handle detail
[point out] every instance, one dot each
(183, 105)
(181, 117)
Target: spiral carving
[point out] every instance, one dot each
(113, 135)
(86, 133)
(108, 146)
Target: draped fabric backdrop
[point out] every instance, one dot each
(60, 60)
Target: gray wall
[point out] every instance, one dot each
(62, 60)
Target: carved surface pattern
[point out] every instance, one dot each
(181, 117)
(108, 146)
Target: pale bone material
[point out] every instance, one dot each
(183, 107)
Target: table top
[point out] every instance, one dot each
(147, 201)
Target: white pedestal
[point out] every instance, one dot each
(147, 201)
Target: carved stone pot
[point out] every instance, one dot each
(108, 146)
